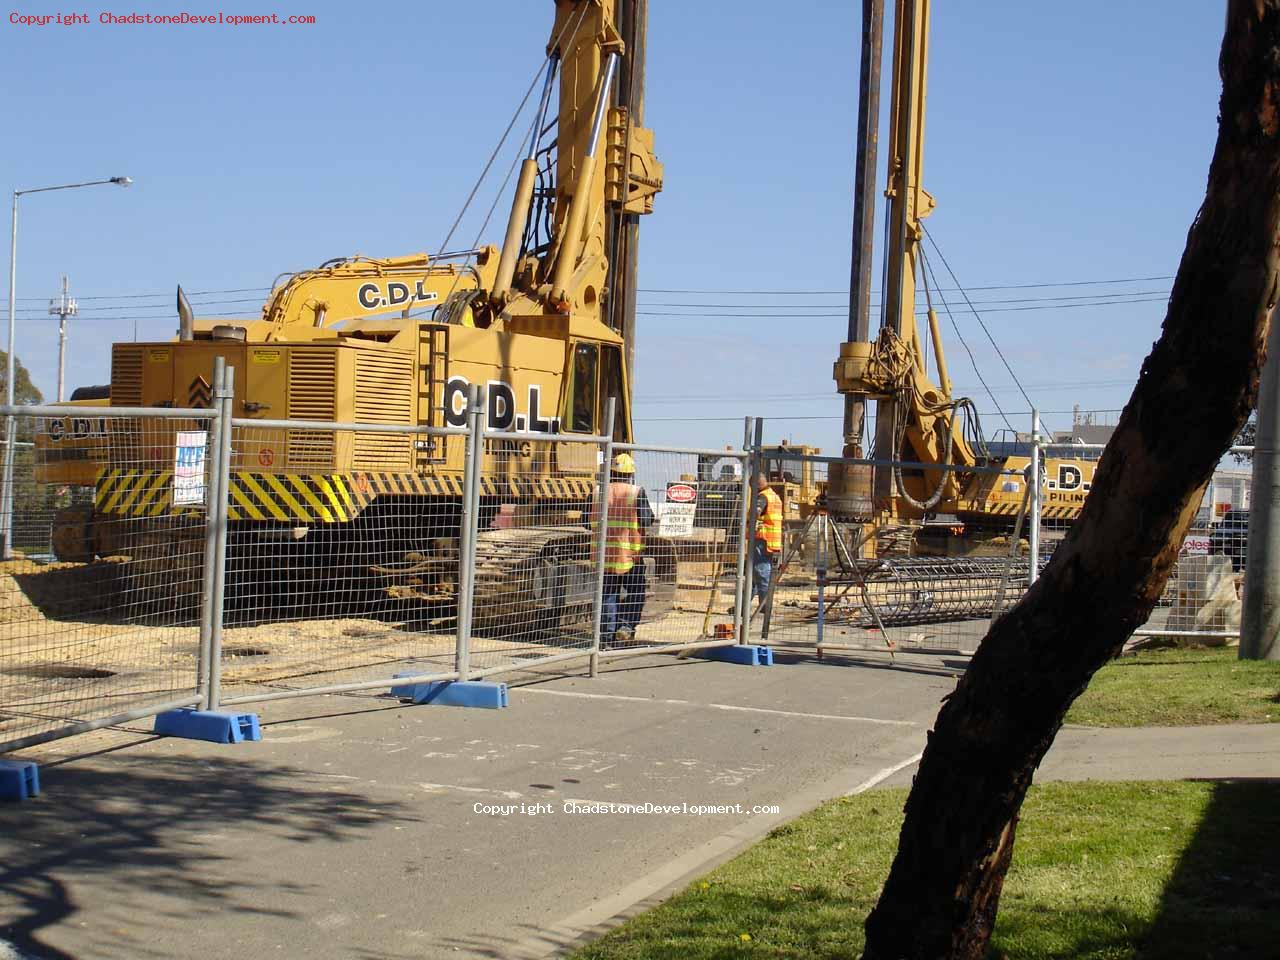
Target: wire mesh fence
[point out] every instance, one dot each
(536, 540)
(342, 556)
(100, 600)
(173, 557)
(1201, 603)
(683, 589)
(864, 584)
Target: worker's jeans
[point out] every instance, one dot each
(762, 570)
(623, 601)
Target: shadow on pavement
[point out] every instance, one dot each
(147, 826)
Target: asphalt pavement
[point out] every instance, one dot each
(360, 827)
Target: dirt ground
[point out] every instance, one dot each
(79, 641)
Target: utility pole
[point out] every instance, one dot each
(1260, 616)
(63, 307)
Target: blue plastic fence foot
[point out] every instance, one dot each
(454, 693)
(216, 726)
(19, 780)
(745, 654)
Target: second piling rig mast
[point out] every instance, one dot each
(918, 419)
(546, 323)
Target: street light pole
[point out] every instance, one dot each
(63, 307)
(10, 421)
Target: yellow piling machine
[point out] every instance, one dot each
(918, 418)
(545, 323)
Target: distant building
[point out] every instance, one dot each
(1085, 428)
(1229, 489)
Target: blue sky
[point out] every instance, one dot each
(1066, 143)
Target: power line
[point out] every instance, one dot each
(845, 293)
(761, 312)
(875, 304)
(691, 292)
(964, 293)
(825, 316)
(795, 397)
(789, 419)
(154, 296)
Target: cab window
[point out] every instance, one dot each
(611, 386)
(583, 376)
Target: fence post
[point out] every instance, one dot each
(212, 494)
(602, 534)
(469, 529)
(752, 437)
(1033, 531)
(217, 515)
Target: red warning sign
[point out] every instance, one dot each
(681, 493)
(266, 456)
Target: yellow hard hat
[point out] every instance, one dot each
(623, 463)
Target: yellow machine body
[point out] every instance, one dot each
(414, 373)
(398, 341)
(70, 450)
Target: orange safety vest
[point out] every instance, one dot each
(769, 523)
(624, 541)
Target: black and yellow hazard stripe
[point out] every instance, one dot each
(563, 488)
(413, 484)
(294, 497)
(314, 498)
(450, 485)
(134, 493)
(1048, 512)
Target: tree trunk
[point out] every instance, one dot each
(1195, 391)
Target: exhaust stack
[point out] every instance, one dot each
(186, 319)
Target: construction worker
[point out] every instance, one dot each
(768, 537)
(624, 577)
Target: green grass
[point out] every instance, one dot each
(1100, 871)
(1176, 687)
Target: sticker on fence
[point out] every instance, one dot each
(1195, 546)
(188, 468)
(678, 511)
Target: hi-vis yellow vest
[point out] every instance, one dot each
(769, 523)
(624, 541)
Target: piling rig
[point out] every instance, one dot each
(942, 506)
(546, 323)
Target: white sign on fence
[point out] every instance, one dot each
(188, 468)
(678, 511)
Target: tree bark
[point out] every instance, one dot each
(1195, 391)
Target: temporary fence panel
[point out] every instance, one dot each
(100, 603)
(342, 556)
(684, 589)
(865, 586)
(1201, 603)
(536, 546)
